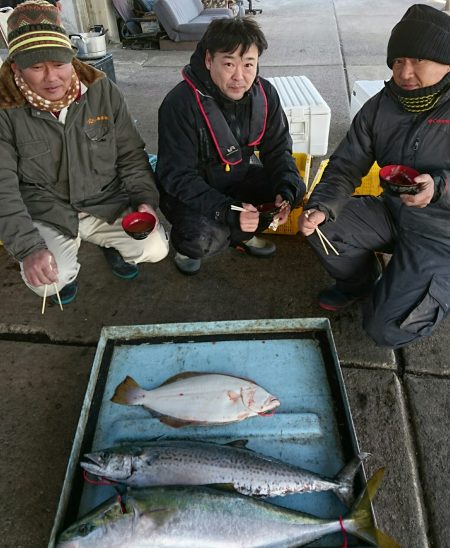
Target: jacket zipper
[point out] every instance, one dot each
(235, 126)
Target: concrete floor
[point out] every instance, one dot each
(399, 400)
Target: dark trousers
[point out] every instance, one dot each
(412, 295)
(198, 236)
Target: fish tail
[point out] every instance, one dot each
(344, 480)
(128, 392)
(360, 522)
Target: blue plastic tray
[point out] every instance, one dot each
(293, 359)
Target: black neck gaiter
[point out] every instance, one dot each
(422, 99)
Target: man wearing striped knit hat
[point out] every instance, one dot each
(71, 160)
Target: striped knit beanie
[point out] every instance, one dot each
(36, 35)
(422, 33)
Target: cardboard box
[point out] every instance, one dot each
(307, 113)
(362, 91)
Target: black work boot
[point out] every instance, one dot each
(334, 299)
(257, 247)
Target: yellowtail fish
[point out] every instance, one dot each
(200, 517)
(199, 398)
(180, 462)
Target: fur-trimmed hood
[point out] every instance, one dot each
(10, 96)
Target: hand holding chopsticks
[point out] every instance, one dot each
(248, 217)
(323, 239)
(37, 259)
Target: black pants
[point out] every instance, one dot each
(198, 236)
(412, 296)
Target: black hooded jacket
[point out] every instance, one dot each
(384, 132)
(190, 168)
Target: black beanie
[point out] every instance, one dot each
(422, 33)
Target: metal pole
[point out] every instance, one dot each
(447, 6)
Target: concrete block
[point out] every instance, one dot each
(377, 403)
(42, 390)
(430, 413)
(430, 355)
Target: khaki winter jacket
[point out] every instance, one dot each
(49, 171)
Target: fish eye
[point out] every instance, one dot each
(84, 529)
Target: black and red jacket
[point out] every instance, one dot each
(206, 141)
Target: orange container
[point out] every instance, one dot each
(370, 184)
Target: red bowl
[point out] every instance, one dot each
(139, 224)
(269, 207)
(399, 179)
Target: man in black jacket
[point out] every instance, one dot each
(407, 123)
(209, 127)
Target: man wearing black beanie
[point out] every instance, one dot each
(405, 124)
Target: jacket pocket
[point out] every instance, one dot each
(431, 309)
(102, 147)
(34, 159)
(32, 149)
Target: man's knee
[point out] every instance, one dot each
(381, 334)
(203, 243)
(152, 249)
(397, 321)
(388, 332)
(158, 246)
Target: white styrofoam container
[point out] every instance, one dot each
(307, 113)
(362, 91)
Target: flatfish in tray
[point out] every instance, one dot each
(199, 398)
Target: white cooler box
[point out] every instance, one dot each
(308, 114)
(362, 91)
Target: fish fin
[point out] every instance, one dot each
(360, 521)
(174, 422)
(385, 541)
(246, 379)
(234, 396)
(127, 392)
(237, 443)
(182, 376)
(159, 515)
(178, 423)
(344, 479)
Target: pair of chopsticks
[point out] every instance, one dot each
(237, 208)
(45, 297)
(323, 239)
